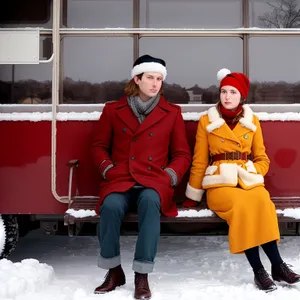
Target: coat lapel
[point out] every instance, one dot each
(126, 115)
(225, 132)
(245, 124)
(218, 126)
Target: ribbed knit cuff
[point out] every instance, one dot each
(103, 165)
(173, 175)
(106, 169)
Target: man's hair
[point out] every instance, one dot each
(132, 89)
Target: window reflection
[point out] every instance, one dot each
(98, 13)
(274, 71)
(96, 69)
(193, 64)
(274, 13)
(190, 13)
(28, 84)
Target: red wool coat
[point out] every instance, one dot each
(141, 152)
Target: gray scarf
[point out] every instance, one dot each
(142, 108)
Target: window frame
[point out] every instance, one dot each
(58, 32)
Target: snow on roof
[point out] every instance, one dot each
(196, 90)
(94, 116)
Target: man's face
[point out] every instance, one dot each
(149, 84)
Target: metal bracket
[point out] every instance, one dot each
(50, 227)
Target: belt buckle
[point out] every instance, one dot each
(236, 155)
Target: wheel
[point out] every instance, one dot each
(9, 234)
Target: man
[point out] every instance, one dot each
(141, 151)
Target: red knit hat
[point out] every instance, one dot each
(237, 80)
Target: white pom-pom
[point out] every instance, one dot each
(222, 73)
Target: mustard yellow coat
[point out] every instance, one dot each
(235, 188)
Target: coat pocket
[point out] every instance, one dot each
(248, 179)
(117, 171)
(210, 170)
(250, 167)
(227, 176)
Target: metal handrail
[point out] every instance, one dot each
(47, 60)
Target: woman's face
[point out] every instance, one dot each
(230, 97)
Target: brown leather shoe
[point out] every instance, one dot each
(142, 291)
(115, 277)
(283, 273)
(263, 281)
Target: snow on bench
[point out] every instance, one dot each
(186, 213)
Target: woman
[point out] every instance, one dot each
(226, 137)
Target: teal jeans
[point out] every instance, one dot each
(112, 212)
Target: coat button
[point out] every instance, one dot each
(123, 129)
(239, 145)
(149, 168)
(132, 157)
(162, 166)
(150, 133)
(133, 139)
(222, 140)
(150, 158)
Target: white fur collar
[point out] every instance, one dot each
(216, 121)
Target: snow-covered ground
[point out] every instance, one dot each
(197, 267)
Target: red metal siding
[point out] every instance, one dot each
(25, 162)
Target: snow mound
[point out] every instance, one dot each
(290, 212)
(194, 213)
(23, 277)
(81, 213)
(2, 235)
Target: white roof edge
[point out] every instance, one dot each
(191, 108)
(95, 115)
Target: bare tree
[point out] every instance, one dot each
(284, 15)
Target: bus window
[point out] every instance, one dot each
(191, 13)
(274, 71)
(26, 13)
(274, 13)
(96, 14)
(193, 64)
(95, 68)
